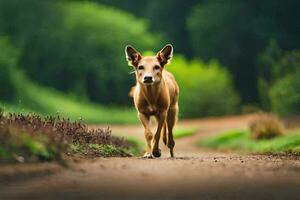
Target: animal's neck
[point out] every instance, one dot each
(152, 92)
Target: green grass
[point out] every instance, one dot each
(179, 133)
(44, 101)
(14, 108)
(138, 146)
(241, 141)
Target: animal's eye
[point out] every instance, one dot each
(141, 67)
(156, 67)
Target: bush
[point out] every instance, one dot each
(285, 95)
(275, 64)
(215, 32)
(205, 89)
(265, 126)
(84, 54)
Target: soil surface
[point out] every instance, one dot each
(194, 173)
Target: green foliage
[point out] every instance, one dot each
(279, 80)
(133, 6)
(205, 88)
(84, 53)
(166, 18)
(8, 60)
(24, 20)
(31, 138)
(38, 146)
(77, 46)
(240, 140)
(224, 139)
(236, 32)
(137, 146)
(285, 95)
(25, 96)
(26, 145)
(169, 17)
(50, 102)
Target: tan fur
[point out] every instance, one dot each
(158, 99)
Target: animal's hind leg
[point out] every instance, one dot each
(171, 120)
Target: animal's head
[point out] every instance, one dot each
(148, 69)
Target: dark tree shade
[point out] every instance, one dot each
(168, 17)
(236, 32)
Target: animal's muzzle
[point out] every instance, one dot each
(148, 79)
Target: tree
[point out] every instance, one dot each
(84, 53)
(169, 18)
(236, 32)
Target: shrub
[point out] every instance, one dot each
(215, 33)
(206, 89)
(285, 95)
(274, 65)
(265, 126)
(33, 138)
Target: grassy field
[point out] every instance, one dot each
(45, 101)
(241, 141)
(184, 132)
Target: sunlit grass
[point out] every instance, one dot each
(240, 140)
(44, 101)
(14, 108)
(138, 146)
(184, 132)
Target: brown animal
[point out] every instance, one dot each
(155, 94)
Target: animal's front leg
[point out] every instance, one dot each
(148, 134)
(161, 118)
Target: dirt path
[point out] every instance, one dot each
(194, 174)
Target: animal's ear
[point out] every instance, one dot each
(132, 55)
(165, 54)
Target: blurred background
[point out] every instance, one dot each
(67, 56)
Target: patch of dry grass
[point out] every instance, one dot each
(265, 126)
(27, 138)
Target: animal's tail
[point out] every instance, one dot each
(131, 92)
(164, 133)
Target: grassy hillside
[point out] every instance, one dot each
(20, 94)
(44, 101)
(241, 141)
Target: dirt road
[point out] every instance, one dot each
(194, 174)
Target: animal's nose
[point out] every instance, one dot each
(148, 79)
